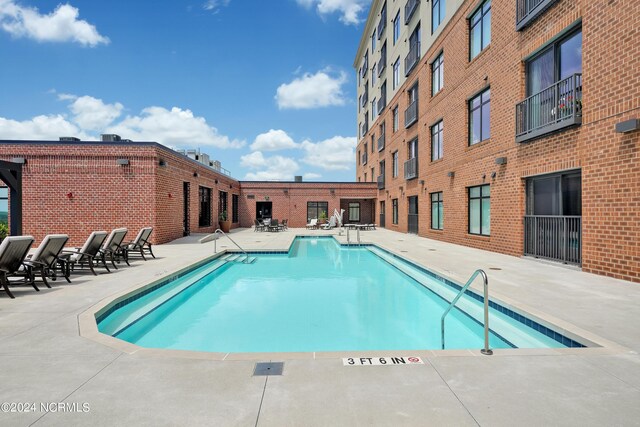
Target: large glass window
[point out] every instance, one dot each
(4, 205)
(437, 213)
(394, 211)
(396, 74)
(373, 40)
(480, 210)
(395, 119)
(394, 164)
(222, 205)
(374, 74)
(558, 61)
(396, 28)
(437, 74)
(479, 117)
(354, 212)
(235, 206)
(559, 194)
(480, 29)
(204, 214)
(436, 141)
(437, 14)
(316, 209)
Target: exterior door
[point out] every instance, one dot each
(263, 210)
(382, 214)
(412, 220)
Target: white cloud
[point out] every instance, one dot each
(92, 113)
(269, 168)
(312, 91)
(311, 175)
(337, 153)
(349, 10)
(40, 128)
(272, 141)
(215, 5)
(61, 25)
(175, 127)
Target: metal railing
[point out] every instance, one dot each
(382, 220)
(554, 108)
(357, 235)
(409, 9)
(411, 114)
(381, 141)
(382, 64)
(411, 168)
(381, 182)
(557, 238)
(365, 67)
(383, 22)
(412, 223)
(365, 128)
(412, 58)
(215, 244)
(365, 97)
(529, 10)
(486, 350)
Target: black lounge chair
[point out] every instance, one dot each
(259, 225)
(45, 259)
(140, 244)
(89, 254)
(113, 247)
(13, 251)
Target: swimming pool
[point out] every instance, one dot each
(318, 296)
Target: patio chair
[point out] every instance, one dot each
(284, 225)
(89, 254)
(313, 223)
(259, 225)
(273, 225)
(13, 251)
(113, 247)
(140, 243)
(331, 224)
(46, 257)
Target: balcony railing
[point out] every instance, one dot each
(383, 23)
(411, 114)
(411, 168)
(381, 141)
(409, 9)
(558, 238)
(365, 157)
(412, 58)
(365, 67)
(365, 128)
(382, 103)
(382, 64)
(556, 107)
(365, 97)
(528, 10)
(380, 182)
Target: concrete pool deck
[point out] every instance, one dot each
(45, 359)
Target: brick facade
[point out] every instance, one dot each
(608, 161)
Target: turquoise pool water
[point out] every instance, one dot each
(319, 296)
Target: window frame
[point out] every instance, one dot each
(317, 208)
(482, 198)
(396, 28)
(442, 9)
(204, 206)
(396, 119)
(394, 164)
(396, 74)
(356, 207)
(437, 69)
(439, 128)
(481, 12)
(470, 111)
(439, 207)
(394, 211)
(235, 208)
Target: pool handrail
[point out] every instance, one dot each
(486, 350)
(218, 231)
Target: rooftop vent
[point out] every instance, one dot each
(69, 138)
(298, 178)
(111, 137)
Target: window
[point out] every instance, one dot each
(555, 194)
(374, 110)
(373, 40)
(359, 154)
(437, 219)
(480, 29)
(381, 168)
(480, 210)
(394, 164)
(235, 209)
(557, 62)
(412, 58)
(354, 212)
(222, 205)
(437, 14)
(437, 74)
(315, 209)
(374, 74)
(373, 174)
(412, 147)
(394, 211)
(396, 28)
(204, 215)
(479, 117)
(365, 177)
(396, 74)
(395, 119)
(4, 204)
(359, 103)
(436, 141)
(373, 140)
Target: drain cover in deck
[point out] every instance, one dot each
(268, 368)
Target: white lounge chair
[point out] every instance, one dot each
(331, 224)
(313, 223)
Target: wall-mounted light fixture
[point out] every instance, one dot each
(285, 191)
(216, 181)
(231, 186)
(19, 160)
(501, 160)
(162, 163)
(422, 182)
(122, 162)
(493, 175)
(332, 190)
(628, 126)
(451, 174)
(484, 176)
(195, 174)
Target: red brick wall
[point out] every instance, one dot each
(608, 161)
(292, 204)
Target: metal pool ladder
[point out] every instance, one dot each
(215, 243)
(486, 350)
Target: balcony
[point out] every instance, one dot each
(411, 168)
(382, 64)
(364, 129)
(383, 23)
(409, 9)
(381, 140)
(365, 98)
(382, 103)
(557, 238)
(365, 67)
(557, 107)
(411, 114)
(412, 58)
(365, 158)
(380, 182)
(528, 10)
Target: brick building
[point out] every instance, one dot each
(76, 187)
(512, 126)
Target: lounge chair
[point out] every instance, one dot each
(89, 253)
(46, 257)
(284, 225)
(113, 247)
(273, 225)
(259, 225)
(13, 251)
(331, 224)
(140, 243)
(313, 223)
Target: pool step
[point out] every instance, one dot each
(245, 259)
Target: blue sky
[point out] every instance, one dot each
(265, 87)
